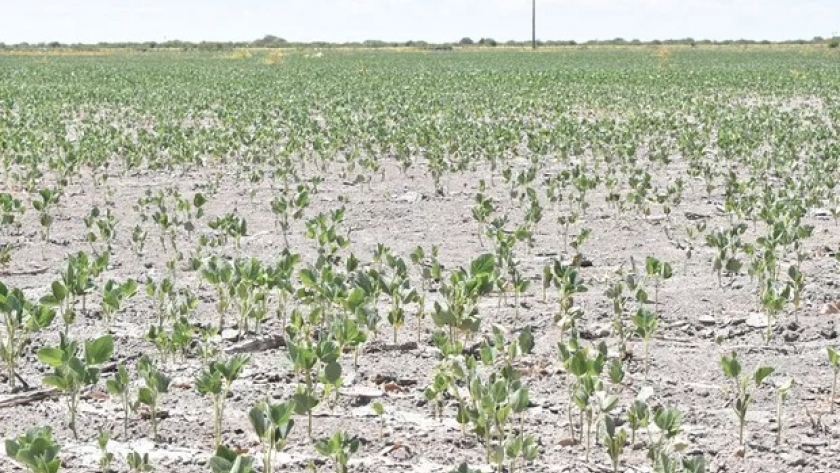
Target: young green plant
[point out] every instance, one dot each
(272, 423)
(743, 394)
(36, 450)
(215, 381)
(156, 384)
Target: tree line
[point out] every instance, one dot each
(271, 41)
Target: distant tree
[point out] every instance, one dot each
(834, 44)
(270, 41)
(488, 42)
(374, 43)
(466, 41)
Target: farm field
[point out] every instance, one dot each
(577, 260)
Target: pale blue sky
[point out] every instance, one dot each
(92, 21)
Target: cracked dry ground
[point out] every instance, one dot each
(699, 321)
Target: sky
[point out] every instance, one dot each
(92, 21)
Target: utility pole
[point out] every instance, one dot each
(534, 24)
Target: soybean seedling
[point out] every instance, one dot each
(669, 423)
(614, 441)
(230, 225)
(287, 205)
(638, 417)
(616, 372)
(105, 227)
(482, 210)
(48, 198)
(156, 383)
(36, 449)
(107, 457)
(646, 323)
(568, 282)
(339, 448)
(227, 460)
(21, 320)
(72, 373)
(138, 463)
(834, 360)
(782, 393)
(272, 423)
(586, 369)
(216, 381)
(797, 286)
(219, 273)
(138, 240)
(577, 245)
(307, 356)
(743, 395)
(10, 210)
(120, 386)
(773, 299)
(113, 295)
(659, 271)
(379, 410)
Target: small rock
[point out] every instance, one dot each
(410, 198)
(695, 216)
(602, 331)
(737, 320)
(362, 393)
(831, 309)
(757, 321)
(794, 459)
(230, 335)
(645, 393)
(567, 442)
(829, 332)
(793, 326)
(723, 334)
(791, 337)
(707, 319)
(821, 213)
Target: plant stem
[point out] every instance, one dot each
(73, 404)
(571, 422)
(154, 422)
(656, 296)
(588, 433)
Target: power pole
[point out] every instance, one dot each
(534, 24)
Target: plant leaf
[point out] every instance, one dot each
(100, 350)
